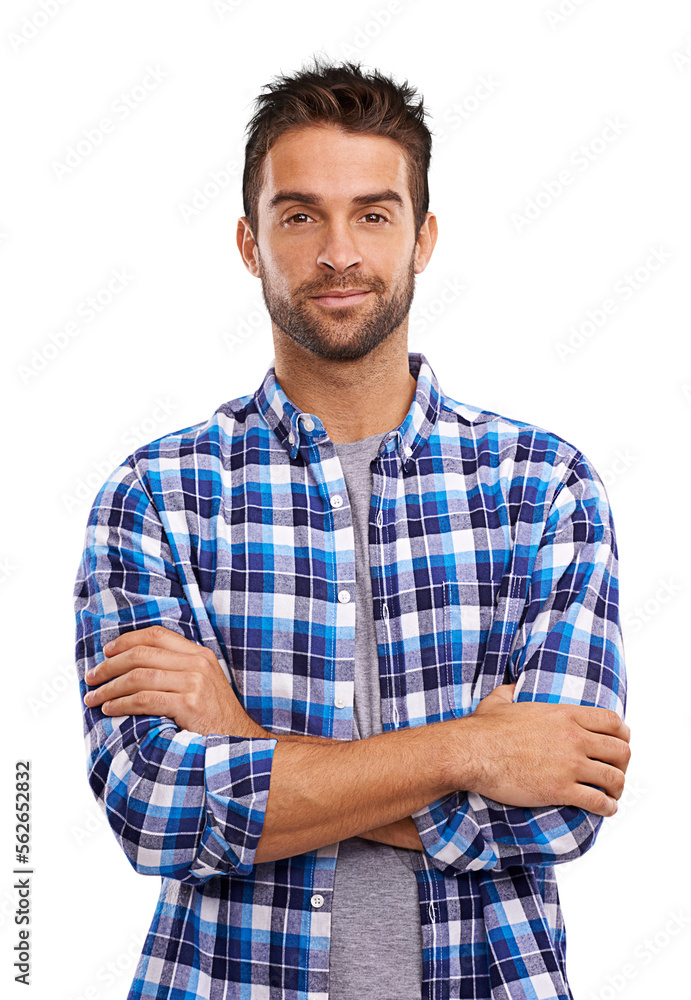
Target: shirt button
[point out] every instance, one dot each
(309, 424)
(344, 596)
(337, 500)
(408, 450)
(291, 438)
(379, 519)
(317, 900)
(340, 702)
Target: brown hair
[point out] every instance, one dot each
(342, 95)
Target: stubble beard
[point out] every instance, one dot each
(341, 335)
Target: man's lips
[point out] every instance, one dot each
(344, 298)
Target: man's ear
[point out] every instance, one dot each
(424, 245)
(247, 245)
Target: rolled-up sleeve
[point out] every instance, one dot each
(569, 650)
(181, 804)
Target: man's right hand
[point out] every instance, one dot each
(534, 754)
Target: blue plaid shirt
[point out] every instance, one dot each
(493, 559)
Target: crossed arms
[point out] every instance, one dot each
(193, 787)
(523, 754)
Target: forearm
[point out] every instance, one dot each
(401, 833)
(324, 791)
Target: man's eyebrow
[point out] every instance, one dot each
(314, 199)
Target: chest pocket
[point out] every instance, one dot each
(480, 622)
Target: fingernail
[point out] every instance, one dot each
(108, 646)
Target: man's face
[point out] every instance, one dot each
(329, 221)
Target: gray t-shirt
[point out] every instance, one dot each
(376, 938)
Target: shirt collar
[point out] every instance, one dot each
(296, 429)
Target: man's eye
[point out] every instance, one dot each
(369, 215)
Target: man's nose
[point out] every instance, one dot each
(339, 249)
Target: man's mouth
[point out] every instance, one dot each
(348, 297)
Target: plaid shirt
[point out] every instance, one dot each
(493, 559)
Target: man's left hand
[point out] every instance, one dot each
(155, 671)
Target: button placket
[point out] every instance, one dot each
(387, 495)
(344, 586)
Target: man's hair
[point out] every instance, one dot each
(326, 94)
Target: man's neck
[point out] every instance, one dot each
(353, 399)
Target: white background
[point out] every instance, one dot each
(514, 90)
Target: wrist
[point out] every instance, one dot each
(244, 726)
(464, 755)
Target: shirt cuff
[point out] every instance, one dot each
(451, 836)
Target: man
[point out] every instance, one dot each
(344, 609)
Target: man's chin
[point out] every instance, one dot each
(339, 352)
(340, 348)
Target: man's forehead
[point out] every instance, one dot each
(329, 162)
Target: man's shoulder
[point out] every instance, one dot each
(194, 450)
(508, 436)
(200, 436)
